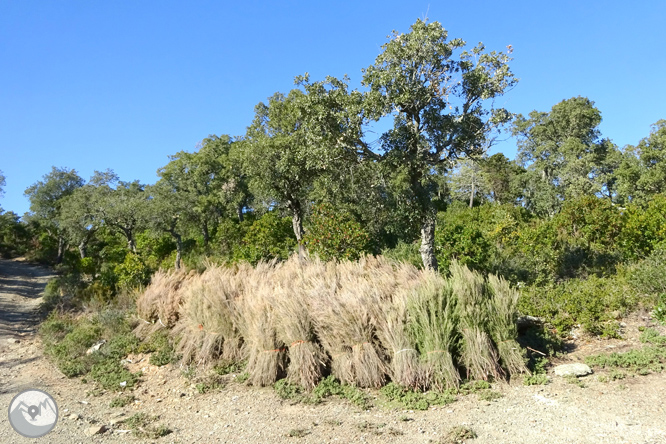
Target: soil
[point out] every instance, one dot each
(631, 410)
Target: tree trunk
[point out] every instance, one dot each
(61, 249)
(427, 249)
(130, 243)
(239, 212)
(471, 196)
(297, 225)
(83, 247)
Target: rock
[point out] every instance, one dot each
(577, 369)
(95, 347)
(13, 341)
(74, 416)
(96, 430)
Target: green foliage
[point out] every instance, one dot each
(594, 303)
(269, 237)
(66, 341)
(649, 359)
(327, 387)
(645, 228)
(335, 234)
(142, 426)
(132, 272)
(122, 401)
(414, 400)
(659, 312)
(538, 379)
(459, 236)
(404, 252)
(161, 349)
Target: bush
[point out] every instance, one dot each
(133, 272)
(595, 303)
(269, 237)
(459, 236)
(335, 234)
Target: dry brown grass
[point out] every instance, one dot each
(257, 321)
(365, 321)
(341, 307)
(295, 325)
(158, 306)
(207, 330)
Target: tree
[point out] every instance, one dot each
(123, 208)
(503, 178)
(170, 210)
(642, 170)
(2, 183)
(209, 179)
(565, 154)
(437, 93)
(468, 180)
(278, 158)
(80, 214)
(46, 199)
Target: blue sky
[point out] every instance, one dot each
(92, 85)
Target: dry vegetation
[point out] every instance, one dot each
(364, 322)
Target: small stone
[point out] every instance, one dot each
(577, 369)
(95, 347)
(74, 416)
(13, 341)
(96, 430)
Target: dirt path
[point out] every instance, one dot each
(632, 410)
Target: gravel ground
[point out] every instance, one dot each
(631, 410)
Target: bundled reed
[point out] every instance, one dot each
(157, 307)
(257, 320)
(295, 326)
(502, 324)
(344, 325)
(433, 327)
(390, 291)
(478, 353)
(207, 330)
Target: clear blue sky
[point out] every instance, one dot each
(92, 85)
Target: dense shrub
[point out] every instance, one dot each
(335, 234)
(594, 303)
(269, 237)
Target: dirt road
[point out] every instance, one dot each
(632, 410)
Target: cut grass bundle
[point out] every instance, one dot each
(432, 327)
(158, 306)
(207, 330)
(390, 316)
(343, 321)
(257, 321)
(478, 353)
(502, 323)
(295, 326)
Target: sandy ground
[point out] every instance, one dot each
(632, 410)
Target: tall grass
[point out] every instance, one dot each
(478, 353)
(365, 322)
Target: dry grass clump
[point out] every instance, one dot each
(157, 307)
(390, 290)
(363, 321)
(478, 353)
(207, 329)
(295, 325)
(342, 313)
(433, 326)
(257, 320)
(503, 329)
